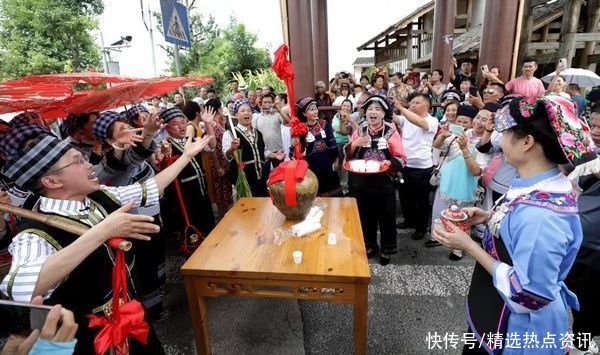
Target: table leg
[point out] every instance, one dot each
(199, 318)
(360, 318)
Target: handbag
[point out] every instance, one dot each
(434, 180)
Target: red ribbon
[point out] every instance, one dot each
(126, 320)
(289, 183)
(114, 333)
(290, 172)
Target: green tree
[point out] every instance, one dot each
(217, 52)
(47, 36)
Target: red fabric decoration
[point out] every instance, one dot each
(298, 128)
(127, 319)
(285, 71)
(289, 172)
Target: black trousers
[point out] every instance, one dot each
(378, 209)
(584, 281)
(414, 197)
(150, 269)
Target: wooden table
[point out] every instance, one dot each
(239, 258)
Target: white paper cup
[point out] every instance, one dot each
(297, 256)
(331, 240)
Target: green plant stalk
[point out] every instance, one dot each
(242, 187)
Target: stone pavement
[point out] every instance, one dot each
(421, 291)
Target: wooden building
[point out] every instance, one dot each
(497, 33)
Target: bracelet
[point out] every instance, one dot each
(466, 156)
(116, 147)
(489, 130)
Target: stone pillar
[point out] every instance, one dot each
(301, 46)
(498, 36)
(443, 31)
(320, 40)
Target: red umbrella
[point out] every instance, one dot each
(19, 95)
(16, 89)
(92, 78)
(129, 93)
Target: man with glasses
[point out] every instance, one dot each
(75, 270)
(492, 94)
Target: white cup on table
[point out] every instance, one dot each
(297, 256)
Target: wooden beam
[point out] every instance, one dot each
(549, 20)
(550, 46)
(593, 18)
(545, 33)
(469, 14)
(594, 58)
(543, 46)
(587, 37)
(569, 30)
(555, 25)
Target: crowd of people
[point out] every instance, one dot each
(517, 157)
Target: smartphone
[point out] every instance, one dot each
(562, 63)
(22, 316)
(484, 67)
(456, 129)
(473, 91)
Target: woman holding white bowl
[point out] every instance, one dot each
(378, 140)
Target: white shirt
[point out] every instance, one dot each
(30, 250)
(417, 142)
(228, 138)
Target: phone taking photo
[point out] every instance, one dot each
(484, 68)
(456, 129)
(562, 63)
(473, 91)
(18, 317)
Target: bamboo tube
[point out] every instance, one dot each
(232, 127)
(55, 222)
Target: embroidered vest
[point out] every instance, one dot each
(193, 171)
(89, 286)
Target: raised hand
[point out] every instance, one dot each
(151, 124)
(128, 137)
(122, 223)
(208, 115)
(193, 148)
(361, 141)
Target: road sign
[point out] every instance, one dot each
(175, 23)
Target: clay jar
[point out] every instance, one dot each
(306, 192)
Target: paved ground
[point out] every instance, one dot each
(421, 291)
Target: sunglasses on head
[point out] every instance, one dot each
(489, 91)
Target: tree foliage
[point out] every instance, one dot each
(218, 52)
(47, 36)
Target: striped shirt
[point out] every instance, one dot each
(30, 250)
